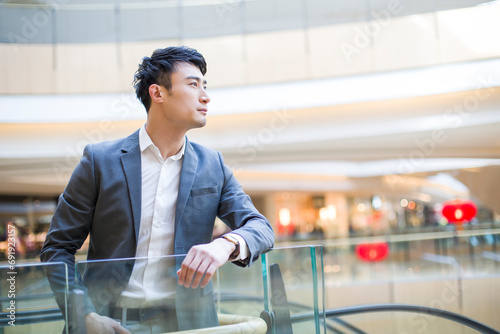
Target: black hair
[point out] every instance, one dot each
(158, 69)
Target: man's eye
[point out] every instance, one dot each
(194, 84)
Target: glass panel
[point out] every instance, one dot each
(318, 276)
(300, 269)
(396, 322)
(478, 252)
(240, 291)
(27, 301)
(103, 283)
(233, 296)
(478, 255)
(456, 272)
(351, 279)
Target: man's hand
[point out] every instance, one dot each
(97, 324)
(204, 260)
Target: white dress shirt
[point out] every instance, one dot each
(153, 279)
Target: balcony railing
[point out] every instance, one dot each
(432, 285)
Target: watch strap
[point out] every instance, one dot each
(234, 255)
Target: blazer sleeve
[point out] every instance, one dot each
(68, 230)
(238, 212)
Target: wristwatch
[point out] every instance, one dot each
(236, 243)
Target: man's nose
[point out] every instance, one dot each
(204, 97)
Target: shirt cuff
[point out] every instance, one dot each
(243, 247)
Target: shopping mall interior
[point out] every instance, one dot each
(347, 122)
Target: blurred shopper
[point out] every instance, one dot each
(154, 193)
(14, 238)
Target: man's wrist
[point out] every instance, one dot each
(236, 252)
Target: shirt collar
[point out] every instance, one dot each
(145, 142)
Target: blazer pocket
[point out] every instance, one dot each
(203, 191)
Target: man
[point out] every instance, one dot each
(154, 193)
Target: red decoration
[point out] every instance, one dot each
(459, 211)
(372, 252)
(282, 229)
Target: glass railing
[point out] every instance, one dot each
(233, 300)
(295, 290)
(240, 291)
(453, 274)
(403, 284)
(27, 300)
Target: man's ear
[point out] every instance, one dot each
(156, 93)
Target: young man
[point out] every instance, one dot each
(154, 193)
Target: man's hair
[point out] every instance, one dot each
(158, 69)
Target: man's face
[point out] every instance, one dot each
(186, 101)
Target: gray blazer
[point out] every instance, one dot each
(103, 199)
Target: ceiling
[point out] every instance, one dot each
(415, 112)
(389, 147)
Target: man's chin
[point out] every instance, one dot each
(199, 124)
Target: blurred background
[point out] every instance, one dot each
(339, 118)
(369, 127)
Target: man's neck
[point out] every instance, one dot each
(168, 140)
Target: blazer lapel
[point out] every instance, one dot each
(188, 173)
(131, 163)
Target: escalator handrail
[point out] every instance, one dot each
(34, 316)
(458, 318)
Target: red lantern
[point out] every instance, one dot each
(372, 252)
(459, 211)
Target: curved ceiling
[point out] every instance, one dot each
(418, 108)
(108, 21)
(347, 147)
